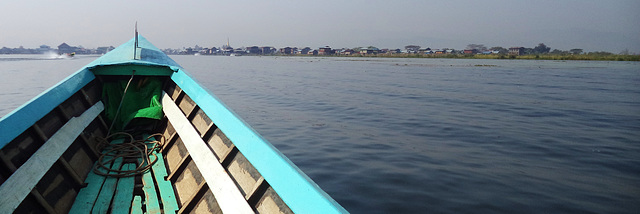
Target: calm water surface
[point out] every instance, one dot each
(426, 135)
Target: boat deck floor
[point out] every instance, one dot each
(148, 192)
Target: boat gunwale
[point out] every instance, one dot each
(23, 117)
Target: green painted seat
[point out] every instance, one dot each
(103, 194)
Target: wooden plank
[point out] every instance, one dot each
(39, 132)
(85, 95)
(107, 191)
(136, 206)
(222, 186)
(87, 143)
(65, 164)
(260, 182)
(39, 199)
(186, 104)
(20, 184)
(209, 130)
(124, 192)
(170, 141)
(193, 200)
(151, 197)
(165, 188)
(87, 196)
(64, 113)
(43, 202)
(182, 164)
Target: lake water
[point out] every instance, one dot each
(425, 135)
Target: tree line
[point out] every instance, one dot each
(541, 48)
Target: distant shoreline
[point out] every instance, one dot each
(578, 57)
(586, 57)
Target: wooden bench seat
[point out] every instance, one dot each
(227, 195)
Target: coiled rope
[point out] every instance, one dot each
(130, 150)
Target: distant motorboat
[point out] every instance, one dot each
(55, 55)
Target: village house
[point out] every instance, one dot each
(395, 51)
(64, 48)
(188, 51)
(254, 50)
(267, 50)
(213, 50)
(303, 51)
(412, 48)
(325, 51)
(227, 50)
(347, 52)
(470, 51)
(516, 51)
(104, 50)
(44, 49)
(286, 50)
(366, 51)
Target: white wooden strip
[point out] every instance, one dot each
(221, 185)
(23, 180)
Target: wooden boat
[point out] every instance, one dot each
(56, 155)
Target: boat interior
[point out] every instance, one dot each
(167, 176)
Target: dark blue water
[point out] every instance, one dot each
(445, 136)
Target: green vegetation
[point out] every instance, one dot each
(598, 56)
(588, 56)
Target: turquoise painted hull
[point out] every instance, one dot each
(277, 174)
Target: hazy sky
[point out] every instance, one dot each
(600, 25)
